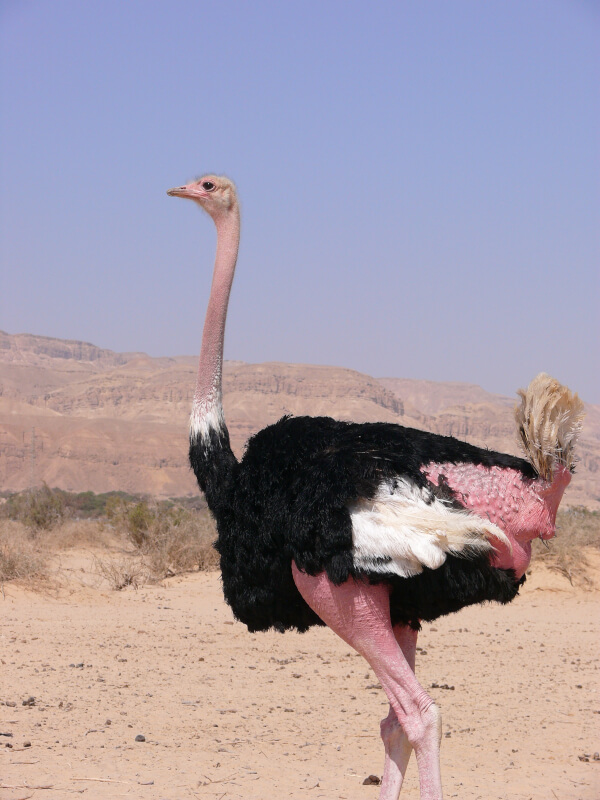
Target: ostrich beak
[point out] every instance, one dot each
(178, 191)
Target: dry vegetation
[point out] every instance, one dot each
(166, 539)
(577, 530)
(136, 541)
(20, 557)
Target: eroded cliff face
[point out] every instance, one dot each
(25, 348)
(80, 417)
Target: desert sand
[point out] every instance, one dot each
(227, 715)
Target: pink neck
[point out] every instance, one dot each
(207, 396)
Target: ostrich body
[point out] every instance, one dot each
(369, 528)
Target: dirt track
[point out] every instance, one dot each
(226, 714)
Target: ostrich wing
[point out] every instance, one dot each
(405, 528)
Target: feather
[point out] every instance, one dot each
(549, 421)
(405, 528)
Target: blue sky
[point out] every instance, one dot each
(419, 181)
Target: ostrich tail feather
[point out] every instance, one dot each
(549, 419)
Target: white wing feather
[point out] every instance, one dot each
(405, 528)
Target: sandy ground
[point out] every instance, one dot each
(226, 714)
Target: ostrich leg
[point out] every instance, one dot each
(360, 614)
(397, 746)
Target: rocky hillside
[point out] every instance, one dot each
(80, 417)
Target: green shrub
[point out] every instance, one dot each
(141, 522)
(38, 509)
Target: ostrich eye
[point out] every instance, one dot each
(209, 186)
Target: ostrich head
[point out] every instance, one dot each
(214, 193)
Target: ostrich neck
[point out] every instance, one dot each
(207, 409)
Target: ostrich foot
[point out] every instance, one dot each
(360, 614)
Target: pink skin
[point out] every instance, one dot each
(524, 509)
(211, 353)
(397, 747)
(360, 614)
(226, 217)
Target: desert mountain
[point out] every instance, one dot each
(80, 417)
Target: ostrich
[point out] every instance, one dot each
(369, 528)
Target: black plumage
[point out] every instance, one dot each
(288, 499)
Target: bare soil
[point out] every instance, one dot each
(227, 715)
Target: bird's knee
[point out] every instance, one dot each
(422, 724)
(425, 726)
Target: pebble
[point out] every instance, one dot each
(372, 780)
(140, 738)
(29, 702)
